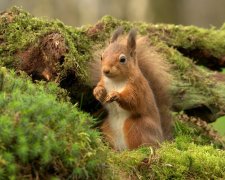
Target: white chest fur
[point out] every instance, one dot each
(117, 115)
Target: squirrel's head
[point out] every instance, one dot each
(119, 58)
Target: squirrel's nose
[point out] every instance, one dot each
(106, 71)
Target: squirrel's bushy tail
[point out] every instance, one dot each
(156, 71)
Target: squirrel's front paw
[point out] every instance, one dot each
(100, 93)
(113, 96)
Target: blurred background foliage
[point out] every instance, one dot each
(203, 13)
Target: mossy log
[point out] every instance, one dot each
(53, 51)
(43, 135)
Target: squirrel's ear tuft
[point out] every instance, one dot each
(116, 34)
(131, 41)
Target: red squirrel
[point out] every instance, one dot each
(134, 116)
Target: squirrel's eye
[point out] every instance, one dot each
(101, 58)
(123, 59)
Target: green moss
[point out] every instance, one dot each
(39, 128)
(41, 131)
(219, 125)
(192, 84)
(23, 30)
(19, 29)
(129, 163)
(191, 37)
(191, 155)
(186, 160)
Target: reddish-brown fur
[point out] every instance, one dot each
(143, 125)
(155, 70)
(135, 99)
(142, 131)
